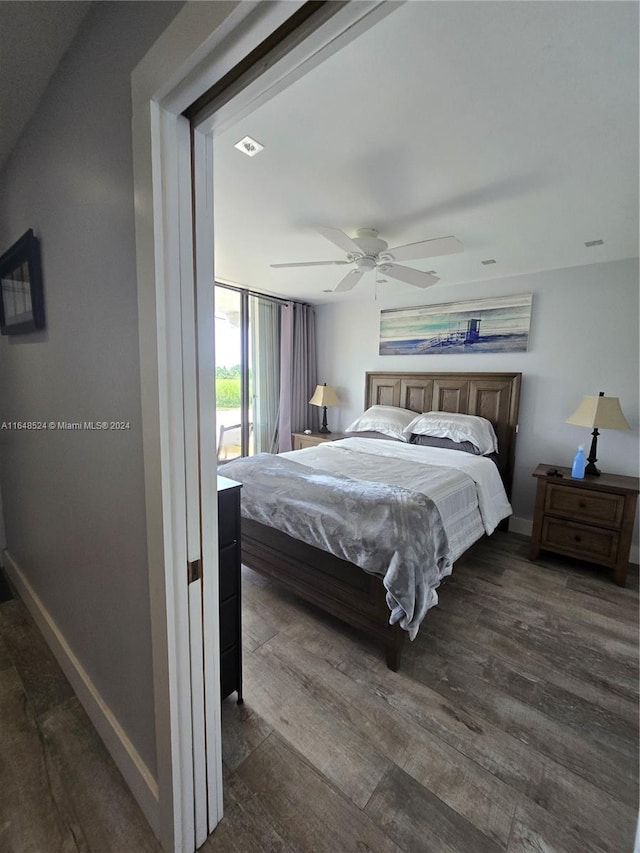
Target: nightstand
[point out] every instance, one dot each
(590, 519)
(301, 439)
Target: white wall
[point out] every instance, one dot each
(584, 339)
(74, 501)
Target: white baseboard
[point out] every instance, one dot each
(525, 525)
(136, 773)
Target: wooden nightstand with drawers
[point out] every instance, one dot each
(302, 439)
(590, 519)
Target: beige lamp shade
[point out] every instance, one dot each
(599, 412)
(324, 395)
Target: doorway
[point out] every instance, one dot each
(205, 43)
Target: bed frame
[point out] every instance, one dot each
(341, 588)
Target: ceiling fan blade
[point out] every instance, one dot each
(427, 249)
(350, 280)
(414, 277)
(340, 239)
(310, 264)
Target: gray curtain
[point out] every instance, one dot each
(264, 356)
(298, 370)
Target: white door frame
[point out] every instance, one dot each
(204, 41)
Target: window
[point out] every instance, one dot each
(247, 372)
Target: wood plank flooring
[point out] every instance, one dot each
(60, 790)
(512, 725)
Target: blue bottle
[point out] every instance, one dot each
(579, 464)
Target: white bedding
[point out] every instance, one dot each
(466, 489)
(402, 512)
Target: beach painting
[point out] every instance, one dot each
(494, 325)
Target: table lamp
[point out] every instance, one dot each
(600, 413)
(324, 396)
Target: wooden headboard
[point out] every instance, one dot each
(494, 396)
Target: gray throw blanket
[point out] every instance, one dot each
(386, 530)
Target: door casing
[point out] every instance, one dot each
(182, 65)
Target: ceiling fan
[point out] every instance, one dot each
(368, 252)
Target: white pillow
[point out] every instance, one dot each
(478, 431)
(389, 420)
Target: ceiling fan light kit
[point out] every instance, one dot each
(368, 252)
(365, 264)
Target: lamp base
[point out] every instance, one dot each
(324, 428)
(591, 470)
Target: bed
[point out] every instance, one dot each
(341, 587)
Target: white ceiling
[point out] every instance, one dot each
(513, 126)
(33, 38)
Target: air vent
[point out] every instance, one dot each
(594, 243)
(488, 261)
(249, 146)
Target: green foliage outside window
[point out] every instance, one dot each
(228, 387)
(228, 372)
(228, 393)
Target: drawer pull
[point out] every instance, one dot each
(577, 538)
(582, 504)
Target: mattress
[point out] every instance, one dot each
(466, 489)
(402, 512)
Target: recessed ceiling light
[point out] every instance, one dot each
(488, 261)
(249, 146)
(594, 243)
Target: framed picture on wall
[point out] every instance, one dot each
(21, 296)
(496, 325)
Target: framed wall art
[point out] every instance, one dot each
(21, 296)
(493, 325)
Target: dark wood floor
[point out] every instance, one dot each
(512, 725)
(60, 791)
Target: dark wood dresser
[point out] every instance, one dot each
(590, 519)
(230, 587)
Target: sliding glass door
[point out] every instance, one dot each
(231, 373)
(247, 372)
(264, 352)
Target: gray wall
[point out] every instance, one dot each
(74, 501)
(584, 339)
